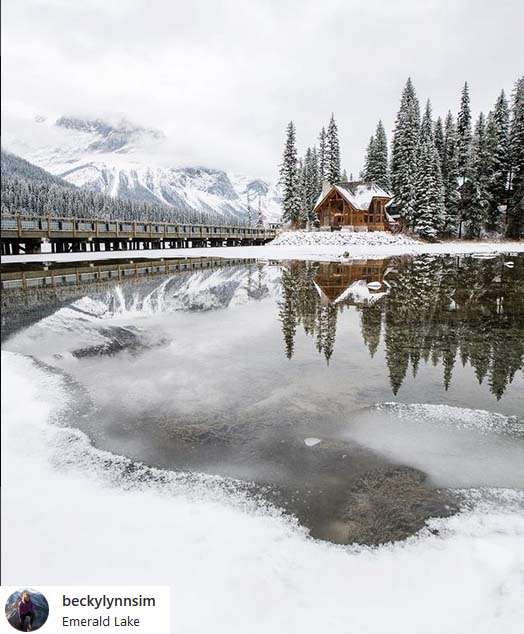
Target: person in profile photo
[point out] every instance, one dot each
(26, 611)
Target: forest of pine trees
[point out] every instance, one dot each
(29, 189)
(444, 310)
(460, 178)
(451, 177)
(301, 178)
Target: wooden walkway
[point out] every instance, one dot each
(25, 234)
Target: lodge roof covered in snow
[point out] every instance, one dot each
(359, 194)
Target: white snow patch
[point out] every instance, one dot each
(311, 442)
(341, 238)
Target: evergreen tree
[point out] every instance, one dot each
(376, 161)
(439, 139)
(380, 169)
(289, 178)
(464, 134)
(311, 190)
(450, 176)
(515, 227)
(428, 197)
(477, 189)
(315, 171)
(322, 156)
(498, 135)
(369, 160)
(332, 174)
(302, 189)
(405, 151)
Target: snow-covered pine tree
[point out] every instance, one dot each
(380, 173)
(344, 176)
(477, 188)
(289, 178)
(376, 161)
(498, 138)
(303, 171)
(428, 196)
(369, 161)
(439, 139)
(332, 174)
(515, 227)
(315, 171)
(493, 215)
(310, 183)
(322, 155)
(450, 177)
(405, 151)
(316, 181)
(464, 134)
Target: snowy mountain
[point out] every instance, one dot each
(121, 159)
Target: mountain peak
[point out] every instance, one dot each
(109, 137)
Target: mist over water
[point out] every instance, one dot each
(233, 371)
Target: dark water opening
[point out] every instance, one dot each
(269, 373)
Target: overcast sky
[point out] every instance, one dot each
(222, 78)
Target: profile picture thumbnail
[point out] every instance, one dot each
(26, 610)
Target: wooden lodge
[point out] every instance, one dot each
(353, 206)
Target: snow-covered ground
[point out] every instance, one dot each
(341, 239)
(253, 570)
(317, 246)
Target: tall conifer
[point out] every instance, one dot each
(405, 152)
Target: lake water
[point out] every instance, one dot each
(358, 397)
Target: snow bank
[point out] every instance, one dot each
(235, 567)
(341, 238)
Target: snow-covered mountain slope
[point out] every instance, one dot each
(119, 158)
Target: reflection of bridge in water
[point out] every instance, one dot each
(52, 275)
(26, 234)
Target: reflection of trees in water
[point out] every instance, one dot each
(256, 286)
(436, 310)
(301, 305)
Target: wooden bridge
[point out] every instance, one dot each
(26, 234)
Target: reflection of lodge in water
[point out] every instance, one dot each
(429, 309)
(333, 279)
(314, 293)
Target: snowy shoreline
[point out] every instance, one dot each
(354, 248)
(303, 579)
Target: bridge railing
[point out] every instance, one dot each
(21, 225)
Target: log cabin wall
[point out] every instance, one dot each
(336, 212)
